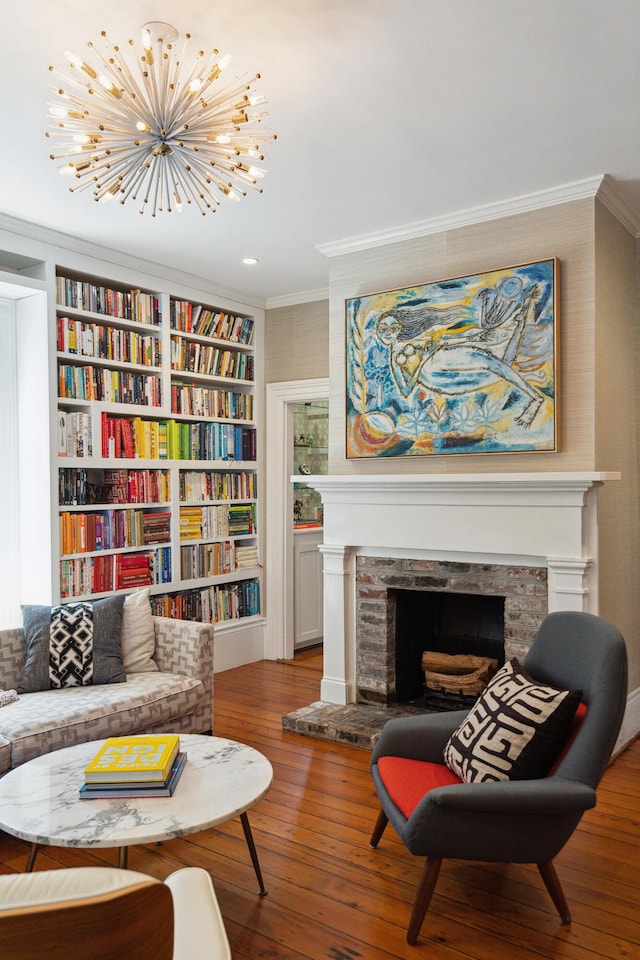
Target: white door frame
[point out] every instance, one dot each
(280, 397)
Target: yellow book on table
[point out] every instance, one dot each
(138, 758)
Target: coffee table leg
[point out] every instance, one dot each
(244, 819)
(33, 853)
(122, 858)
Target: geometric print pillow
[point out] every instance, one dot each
(72, 645)
(515, 730)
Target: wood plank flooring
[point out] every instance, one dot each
(331, 897)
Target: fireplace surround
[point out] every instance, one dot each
(537, 532)
(384, 585)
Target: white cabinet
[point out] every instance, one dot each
(307, 587)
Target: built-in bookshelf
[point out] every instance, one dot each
(157, 449)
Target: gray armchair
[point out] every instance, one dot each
(518, 821)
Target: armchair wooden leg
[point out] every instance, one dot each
(423, 897)
(552, 883)
(378, 830)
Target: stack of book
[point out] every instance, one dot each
(143, 766)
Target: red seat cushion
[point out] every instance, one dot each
(407, 781)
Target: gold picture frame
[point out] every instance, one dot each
(460, 366)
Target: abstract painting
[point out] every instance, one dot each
(467, 365)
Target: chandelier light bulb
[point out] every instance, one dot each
(154, 127)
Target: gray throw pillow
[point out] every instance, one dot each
(73, 644)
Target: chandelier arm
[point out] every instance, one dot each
(155, 183)
(193, 166)
(170, 167)
(123, 155)
(230, 165)
(234, 87)
(111, 68)
(166, 93)
(190, 193)
(130, 183)
(204, 179)
(167, 189)
(136, 93)
(117, 177)
(120, 165)
(222, 97)
(174, 85)
(152, 93)
(112, 108)
(142, 178)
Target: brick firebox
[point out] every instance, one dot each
(524, 589)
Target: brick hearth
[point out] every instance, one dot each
(524, 589)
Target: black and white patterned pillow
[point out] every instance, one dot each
(514, 731)
(72, 645)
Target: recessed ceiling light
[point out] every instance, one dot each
(250, 260)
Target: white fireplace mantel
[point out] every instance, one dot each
(540, 519)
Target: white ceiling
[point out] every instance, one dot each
(387, 112)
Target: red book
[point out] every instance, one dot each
(127, 439)
(105, 435)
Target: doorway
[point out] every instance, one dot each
(281, 399)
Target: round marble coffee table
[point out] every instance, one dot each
(221, 779)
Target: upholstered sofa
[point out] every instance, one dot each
(177, 697)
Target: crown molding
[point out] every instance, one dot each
(609, 194)
(292, 299)
(64, 241)
(601, 186)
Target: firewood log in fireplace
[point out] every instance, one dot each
(462, 674)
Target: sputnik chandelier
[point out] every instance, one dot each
(148, 128)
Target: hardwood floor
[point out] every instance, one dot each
(331, 897)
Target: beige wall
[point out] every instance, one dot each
(564, 231)
(598, 354)
(297, 342)
(616, 427)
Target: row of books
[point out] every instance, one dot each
(107, 343)
(219, 520)
(133, 437)
(234, 602)
(109, 386)
(207, 560)
(217, 485)
(74, 434)
(137, 486)
(112, 529)
(202, 402)
(80, 487)
(214, 604)
(210, 361)
(123, 304)
(114, 571)
(194, 318)
(140, 766)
